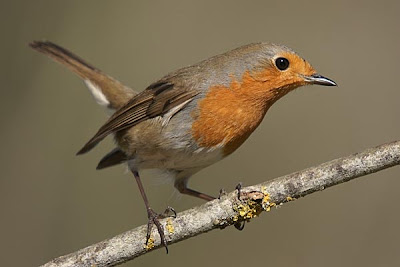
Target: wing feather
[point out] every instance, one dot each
(155, 101)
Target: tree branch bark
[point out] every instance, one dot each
(230, 210)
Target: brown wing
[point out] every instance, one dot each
(156, 100)
(115, 92)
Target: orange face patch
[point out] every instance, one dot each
(228, 115)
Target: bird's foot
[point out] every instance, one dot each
(154, 219)
(222, 191)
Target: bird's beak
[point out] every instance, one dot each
(319, 79)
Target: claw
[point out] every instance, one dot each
(167, 211)
(239, 188)
(222, 193)
(240, 225)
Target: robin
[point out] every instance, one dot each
(192, 117)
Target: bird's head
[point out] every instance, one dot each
(281, 70)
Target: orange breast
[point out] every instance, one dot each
(228, 115)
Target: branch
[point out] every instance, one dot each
(230, 210)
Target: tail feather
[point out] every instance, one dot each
(105, 89)
(114, 157)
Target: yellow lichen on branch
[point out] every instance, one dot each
(169, 226)
(251, 205)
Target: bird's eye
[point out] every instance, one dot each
(282, 63)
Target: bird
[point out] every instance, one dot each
(192, 117)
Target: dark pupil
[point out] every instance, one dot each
(282, 63)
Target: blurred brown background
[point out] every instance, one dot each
(53, 203)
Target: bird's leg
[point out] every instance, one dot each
(181, 185)
(151, 214)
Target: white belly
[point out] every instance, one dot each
(178, 159)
